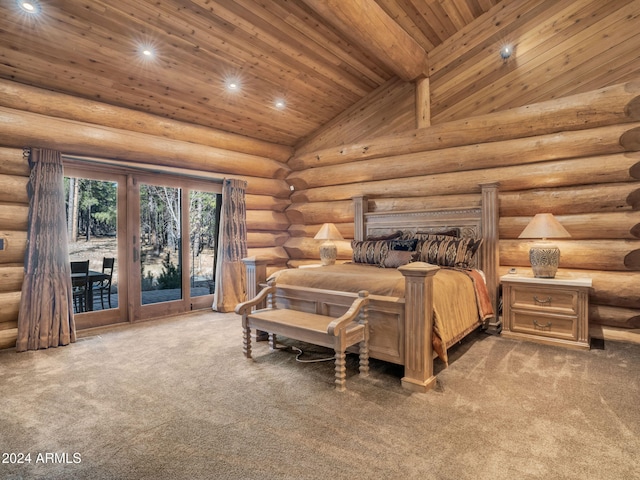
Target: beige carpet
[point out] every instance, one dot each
(175, 399)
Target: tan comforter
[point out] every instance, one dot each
(459, 301)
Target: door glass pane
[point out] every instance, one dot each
(204, 211)
(160, 244)
(92, 235)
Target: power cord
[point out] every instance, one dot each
(311, 360)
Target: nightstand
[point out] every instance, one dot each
(546, 310)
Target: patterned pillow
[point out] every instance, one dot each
(375, 252)
(453, 252)
(406, 245)
(397, 258)
(433, 235)
(437, 235)
(370, 252)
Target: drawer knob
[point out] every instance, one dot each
(542, 301)
(539, 325)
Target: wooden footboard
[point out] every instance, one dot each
(400, 328)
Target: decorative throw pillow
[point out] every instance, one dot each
(437, 235)
(453, 252)
(397, 258)
(375, 252)
(431, 235)
(406, 245)
(370, 252)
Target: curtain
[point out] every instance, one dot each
(46, 309)
(232, 247)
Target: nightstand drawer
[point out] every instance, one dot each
(544, 299)
(556, 326)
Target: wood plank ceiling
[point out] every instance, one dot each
(319, 56)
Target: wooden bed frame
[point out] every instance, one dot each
(401, 328)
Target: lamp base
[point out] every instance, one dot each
(328, 253)
(544, 259)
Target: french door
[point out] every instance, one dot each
(165, 240)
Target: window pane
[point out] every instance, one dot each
(92, 234)
(160, 244)
(204, 211)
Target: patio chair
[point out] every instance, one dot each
(80, 285)
(103, 287)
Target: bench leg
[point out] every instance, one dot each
(364, 358)
(246, 341)
(273, 341)
(341, 371)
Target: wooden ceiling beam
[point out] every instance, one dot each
(368, 25)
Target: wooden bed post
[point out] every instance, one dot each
(418, 326)
(256, 274)
(360, 207)
(491, 248)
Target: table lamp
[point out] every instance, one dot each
(543, 255)
(328, 249)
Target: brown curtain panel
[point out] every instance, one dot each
(46, 309)
(232, 247)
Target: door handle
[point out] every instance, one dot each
(136, 251)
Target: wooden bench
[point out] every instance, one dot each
(338, 333)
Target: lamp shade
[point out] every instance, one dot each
(328, 231)
(544, 256)
(328, 249)
(544, 225)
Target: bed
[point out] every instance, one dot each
(410, 306)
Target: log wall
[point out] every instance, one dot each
(14, 210)
(70, 126)
(577, 157)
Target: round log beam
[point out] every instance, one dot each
(588, 226)
(520, 151)
(612, 197)
(14, 216)
(9, 306)
(266, 239)
(13, 189)
(59, 105)
(614, 316)
(13, 162)
(77, 138)
(560, 173)
(15, 246)
(266, 220)
(11, 278)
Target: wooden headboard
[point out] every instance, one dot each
(476, 222)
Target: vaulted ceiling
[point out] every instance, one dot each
(317, 56)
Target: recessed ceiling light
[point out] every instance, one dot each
(147, 52)
(233, 86)
(31, 6)
(506, 52)
(280, 104)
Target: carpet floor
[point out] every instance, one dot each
(176, 399)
